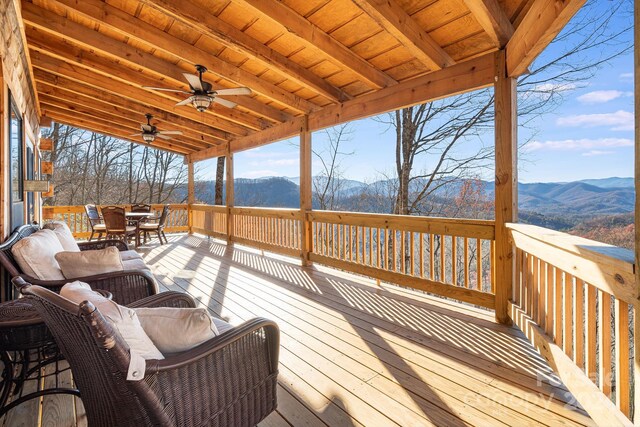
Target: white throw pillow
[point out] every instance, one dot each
(64, 235)
(89, 263)
(174, 330)
(124, 320)
(35, 254)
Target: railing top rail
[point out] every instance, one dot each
(609, 268)
(443, 220)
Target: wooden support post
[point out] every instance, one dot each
(191, 194)
(636, 317)
(305, 190)
(506, 183)
(229, 192)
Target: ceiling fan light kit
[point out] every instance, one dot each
(148, 137)
(149, 131)
(202, 93)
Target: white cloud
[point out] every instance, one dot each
(626, 77)
(620, 120)
(594, 153)
(276, 162)
(600, 96)
(595, 145)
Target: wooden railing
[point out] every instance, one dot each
(208, 220)
(277, 230)
(448, 257)
(574, 299)
(77, 220)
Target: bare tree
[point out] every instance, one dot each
(219, 180)
(329, 183)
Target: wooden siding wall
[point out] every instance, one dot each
(17, 79)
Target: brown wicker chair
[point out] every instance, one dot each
(116, 223)
(140, 207)
(126, 286)
(229, 380)
(95, 221)
(156, 227)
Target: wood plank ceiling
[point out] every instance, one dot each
(330, 60)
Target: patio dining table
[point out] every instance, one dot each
(137, 218)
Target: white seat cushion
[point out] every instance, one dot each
(129, 255)
(134, 264)
(151, 226)
(89, 263)
(124, 320)
(64, 235)
(174, 330)
(36, 253)
(99, 227)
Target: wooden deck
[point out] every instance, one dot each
(354, 353)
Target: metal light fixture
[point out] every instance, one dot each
(201, 102)
(148, 137)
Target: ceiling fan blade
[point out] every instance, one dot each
(224, 102)
(163, 136)
(165, 89)
(194, 81)
(234, 91)
(136, 134)
(170, 132)
(185, 102)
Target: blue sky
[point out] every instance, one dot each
(588, 135)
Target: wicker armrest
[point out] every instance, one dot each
(126, 286)
(101, 244)
(218, 380)
(165, 299)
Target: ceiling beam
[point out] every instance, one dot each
(48, 82)
(544, 20)
(101, 82)
(234, 39)
(126, 130)
(89, 112)
(66, 48)
(394, 20)
(168, 73)
(492, 19)
(130, 26)
(291, 22)
(52, 92)
(112, 131)
(465, 76)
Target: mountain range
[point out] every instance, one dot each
(587, 197)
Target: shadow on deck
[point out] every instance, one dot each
(355, 353)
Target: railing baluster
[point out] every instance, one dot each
(568, 315)
(479, 264)
(432, 257)
(604, 342)
(578, 322)
(622, 356)
(454, 260)
(421, 254)
(412, 253)
(591, 360)
(443, 267)
(550, 303)
(465, 263)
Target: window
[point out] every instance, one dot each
(15, 153)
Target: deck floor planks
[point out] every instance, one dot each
(211, 263)
(355, 353)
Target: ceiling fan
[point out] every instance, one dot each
(149, 131)
(202, 93)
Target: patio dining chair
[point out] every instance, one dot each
(140, 207)
(95, 221)
(156, 227)
(229, 380)
(116, 223)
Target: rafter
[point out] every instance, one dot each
(90, 77)
(393, 19)
(104, 129)
(48, 82)
(125, 130)
(167, 72)
(51, 43)
(120, 21)
(236, 40)
(541, 24)
(93, 111)
(292, 22)
(492, 19)
(92, 103)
